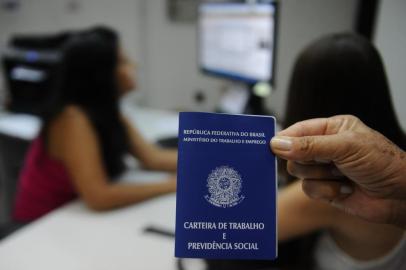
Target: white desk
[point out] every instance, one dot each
(22, 126)
(74, 237)
(153, 124)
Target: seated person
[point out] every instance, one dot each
(79, 151)
(337, 74)
(341, 74)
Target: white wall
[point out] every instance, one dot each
(302, 21)
(172, 72)
(41, 16)
(390, 38)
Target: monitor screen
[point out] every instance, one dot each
(237, 40)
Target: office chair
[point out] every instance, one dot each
(12, 153)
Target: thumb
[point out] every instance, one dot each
(307, 148)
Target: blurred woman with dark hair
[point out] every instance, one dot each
(80, 148)
(340, 74)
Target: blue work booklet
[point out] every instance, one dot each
(226, 188)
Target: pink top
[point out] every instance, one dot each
(44, 185)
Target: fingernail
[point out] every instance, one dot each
(281, 143)
(346, 190)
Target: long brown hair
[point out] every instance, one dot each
(342, 74)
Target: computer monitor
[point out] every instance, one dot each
(237, 40)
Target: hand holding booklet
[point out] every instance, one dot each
(227, 186)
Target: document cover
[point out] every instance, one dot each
(226, 187)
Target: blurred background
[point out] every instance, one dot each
(188, 56)
(162, 38)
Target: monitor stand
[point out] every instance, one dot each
(242, 98)
(256, 102)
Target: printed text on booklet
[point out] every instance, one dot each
(226, 190)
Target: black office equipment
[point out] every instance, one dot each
(159, 231)
(32, 68)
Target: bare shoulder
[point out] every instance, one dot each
(72, 115)
(72, 125)
(71, 119)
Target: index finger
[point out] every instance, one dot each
(310, 127)
(318, 126)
